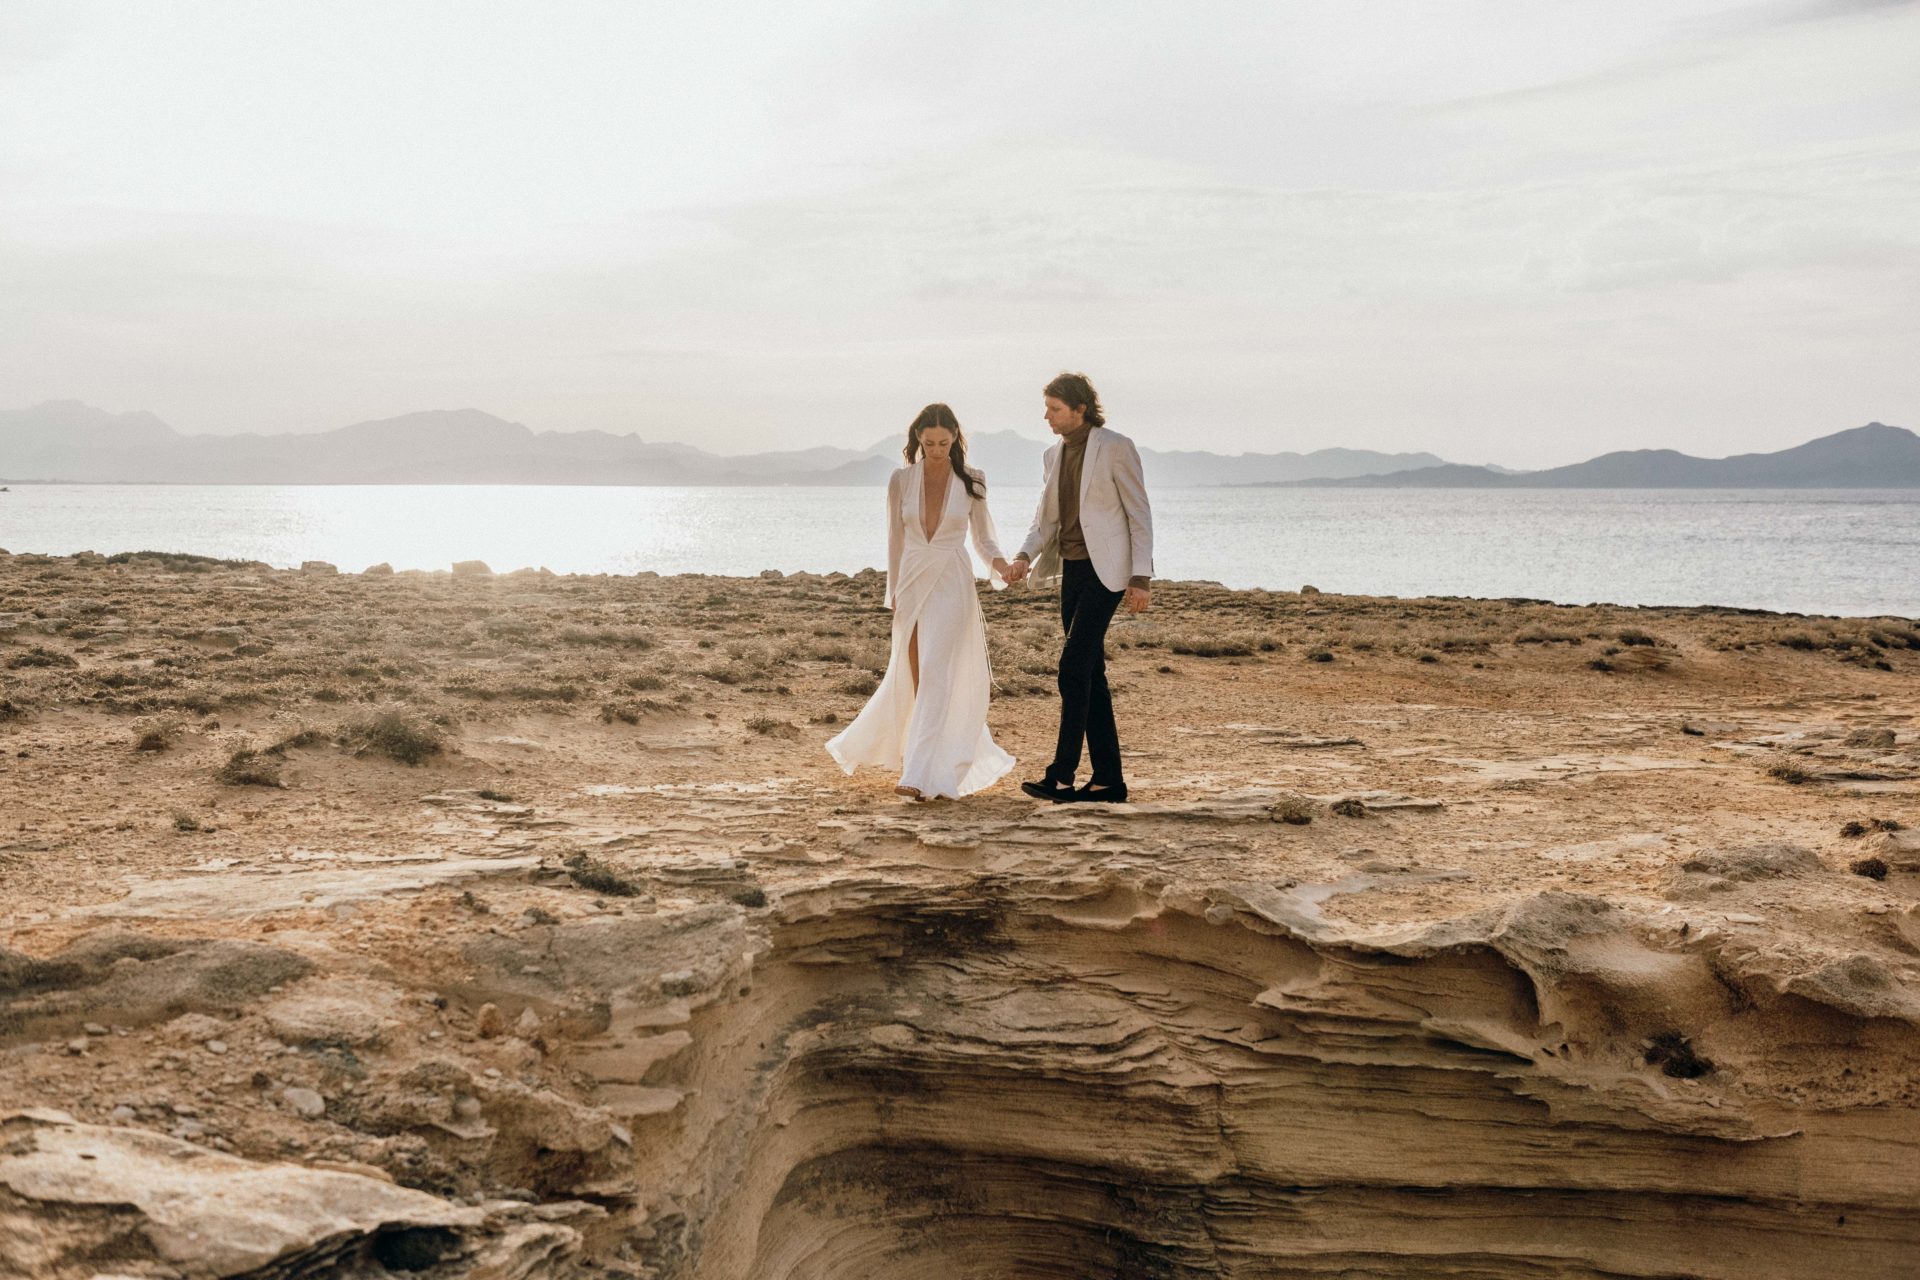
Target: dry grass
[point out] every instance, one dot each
(249, 768)
(395, 735)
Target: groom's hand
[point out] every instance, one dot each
(1015, 571)
(1136, 600)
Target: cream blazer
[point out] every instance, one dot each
(1115, 517)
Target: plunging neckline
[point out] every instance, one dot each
(946, 495)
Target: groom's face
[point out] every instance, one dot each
(1061, 418)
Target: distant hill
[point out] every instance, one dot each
(67, 440)
(1875, 456)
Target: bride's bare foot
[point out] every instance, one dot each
(911, 793)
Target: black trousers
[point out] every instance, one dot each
(1086, 704)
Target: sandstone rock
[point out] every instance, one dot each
(73, 1195)
(381, 570)
(137, 981)
(317, 566)
(471, 569)
(1723, 870)
(1877, 739)
(304, 1102)
(1860, 985)
(343, 1010)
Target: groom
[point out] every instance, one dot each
(1093, 534)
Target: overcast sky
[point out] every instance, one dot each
(1519, 231)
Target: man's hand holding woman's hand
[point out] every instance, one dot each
(1013, 571)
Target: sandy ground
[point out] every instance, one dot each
(603, 704)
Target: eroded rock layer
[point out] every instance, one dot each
(997, 1085)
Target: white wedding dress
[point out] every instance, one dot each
(937, 738)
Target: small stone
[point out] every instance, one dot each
(122, 1114)
(492, 1073)
(491, 1023)
(95, 1029)
(528, 1023)
(78, 1045)
(216, 1046)
(185, 1109)
(467, 1107)
(305, 1102)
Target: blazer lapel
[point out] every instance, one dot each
(1087, 462)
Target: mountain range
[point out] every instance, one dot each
(65, 440)
(1875, 456)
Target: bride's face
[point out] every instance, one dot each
(936, 444)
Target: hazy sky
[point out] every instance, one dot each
(1521, 231)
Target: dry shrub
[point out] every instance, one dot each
(155, 735)
(590, 872)
(249, 768)
(768, 727)
(395, 735)
(1789, 772)
(1295, 810)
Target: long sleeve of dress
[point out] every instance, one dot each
(896, 528)
(986, 539)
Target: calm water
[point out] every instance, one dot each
(1839, 552)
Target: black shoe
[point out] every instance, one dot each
(1048, 789)
(1090, 794)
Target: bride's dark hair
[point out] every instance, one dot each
(938, 415)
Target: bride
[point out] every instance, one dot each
(928, 718)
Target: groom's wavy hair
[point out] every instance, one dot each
(1076, 391)
(938, 415)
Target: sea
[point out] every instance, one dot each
(1840, 552)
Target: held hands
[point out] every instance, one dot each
(1136, 600)
(1014, 571)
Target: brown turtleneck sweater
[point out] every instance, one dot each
(1073, 542)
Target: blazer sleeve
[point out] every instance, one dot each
(896, 529)
(1039, 534)
(986, 540)
(1131, 483)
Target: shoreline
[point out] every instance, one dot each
(196, 562)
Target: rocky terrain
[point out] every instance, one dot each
(516, 925)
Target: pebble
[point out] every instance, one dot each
(491, 1023)
(121, 1114)
(95, 1029)
(305, 1102)
(77, 1046)
(216, 1046)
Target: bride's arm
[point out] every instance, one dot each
(986, 539)
(896, 532)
